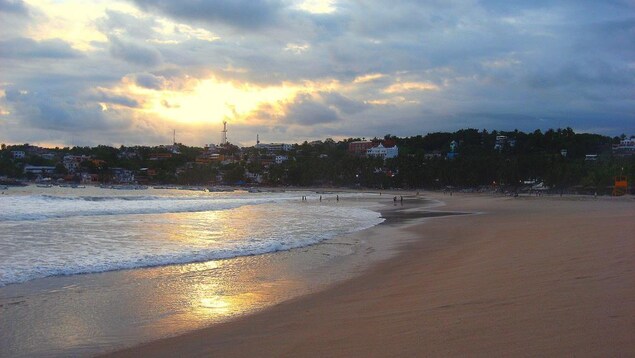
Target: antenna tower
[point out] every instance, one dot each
(223, 140)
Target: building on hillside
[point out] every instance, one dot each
(38, 170)
(274, 147)
(453, 147)
(160, 156)
(72, 162)
(121, 175)
(145, 175)
(253, 177)
(626, 147)
(49, 156)
(209, 158)
(502, 140)
(383, 152)
(281, 159)
(359, 148)
(128, 153)
(88, 178)
(18, 154)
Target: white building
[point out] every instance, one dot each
(281, 159)
(38, 169)
(501, 140)
(72, 162)
(275, 147)
(383, 152)
(626, 147)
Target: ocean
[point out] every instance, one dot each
(85, 270)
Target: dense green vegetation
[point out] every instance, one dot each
(422, 162)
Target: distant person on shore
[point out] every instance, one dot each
(337, 197)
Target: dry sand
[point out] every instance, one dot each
(525, 277)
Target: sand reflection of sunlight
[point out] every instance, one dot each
(209, 303)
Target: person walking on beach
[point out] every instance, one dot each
(337, 197)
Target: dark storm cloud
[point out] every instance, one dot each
(305, 110)
(249, 14)
(24, 48)
(14, 7)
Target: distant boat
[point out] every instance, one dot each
(44, 185)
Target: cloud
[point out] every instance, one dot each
(363, 68)
(403, 87)
(25, 48)
(367, 78)
(306, 110)
(120, 23)
(167, 104)
(47, 111)
(344, 104)
(244, 14)
(148, 80)
(134, 53)
(116, 99)
(17, 7)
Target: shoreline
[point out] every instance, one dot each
(537, 276)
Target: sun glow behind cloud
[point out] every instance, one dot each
(318, 6)
(73, 21)
(212, 101)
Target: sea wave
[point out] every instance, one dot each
(87, 248)
(42, 207)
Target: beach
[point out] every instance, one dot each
(526, 276)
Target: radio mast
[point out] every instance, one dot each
(223, 140)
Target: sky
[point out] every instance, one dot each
(130, 72)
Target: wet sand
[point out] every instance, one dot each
(524, 277)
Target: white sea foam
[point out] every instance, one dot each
(50, 235)
(40, 207)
